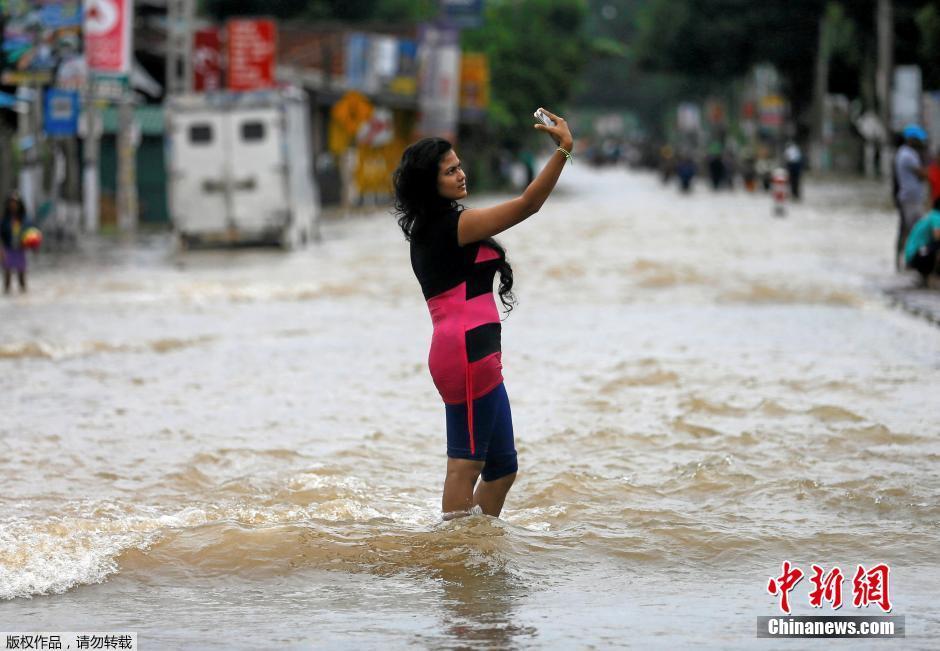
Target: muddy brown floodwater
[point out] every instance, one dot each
(237, 448)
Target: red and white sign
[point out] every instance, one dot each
(207, 60)
(108, 33)
(251, 54)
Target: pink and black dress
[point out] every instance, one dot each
(465, 358)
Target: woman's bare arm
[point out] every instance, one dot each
(480, 223)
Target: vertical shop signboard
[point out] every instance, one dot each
(60, 108)
(438, 81)
(357, 60)
(108, 27)
(906, 96)
(207, 60)
(39, 38)
(474, 84)
(252, 45)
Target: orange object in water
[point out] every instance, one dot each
(32, 238)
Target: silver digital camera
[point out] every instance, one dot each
(543, 118)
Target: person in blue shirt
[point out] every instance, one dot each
(923, 245)
(910, 178)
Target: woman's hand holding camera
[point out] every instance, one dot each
(558, 131)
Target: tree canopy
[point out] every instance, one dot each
(698, 47)
(537, 50)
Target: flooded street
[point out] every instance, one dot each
(244, 448)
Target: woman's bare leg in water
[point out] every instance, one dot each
(490, 495)
(459, 495)
(462, 475)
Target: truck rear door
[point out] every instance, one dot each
(198, 173)
(260, 197)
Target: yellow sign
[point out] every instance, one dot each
(27, 77)
(351, 111)
(374, 167)
(474, 81)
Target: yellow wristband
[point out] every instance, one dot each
(566, 153)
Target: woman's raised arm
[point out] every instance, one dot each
(480, 223)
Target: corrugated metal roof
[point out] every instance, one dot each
(148, 116)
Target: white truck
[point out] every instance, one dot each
(239, 168)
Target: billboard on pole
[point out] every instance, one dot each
(108, 34)
(905, 96)
(39, 38)
(60, 111)
(207, 60)
(251, 53)
(438, 81)
(462, 13)
(474, 83)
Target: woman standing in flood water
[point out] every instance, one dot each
(455, 258)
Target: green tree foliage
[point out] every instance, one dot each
(928, 23)
(536, 50)
(722, 39)
(614, 79)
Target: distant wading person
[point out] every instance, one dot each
(455, 258)
(12, 254)
(910, 175)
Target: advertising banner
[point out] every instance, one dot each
(38, 37)
(357, 60)
(905, 96)
(773, 110)
(438, 81)
(474, 83)
(383, 63)
(462, 13)
(252, 45)
(405, 81)
(207, 60)
(60, 110)
(689, 117)
(108, 35)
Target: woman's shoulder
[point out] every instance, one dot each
(440, 229)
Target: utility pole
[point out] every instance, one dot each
(127, 163)
(27, 134)
(884, 21)
(820, 89)
(90, 151)
(179, 46)
(127, 213)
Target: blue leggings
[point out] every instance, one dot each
(492, 434)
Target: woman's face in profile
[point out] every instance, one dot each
(451, 179)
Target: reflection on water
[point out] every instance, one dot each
(251, 439)
(478, 610)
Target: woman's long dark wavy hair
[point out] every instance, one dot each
(417, 202)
